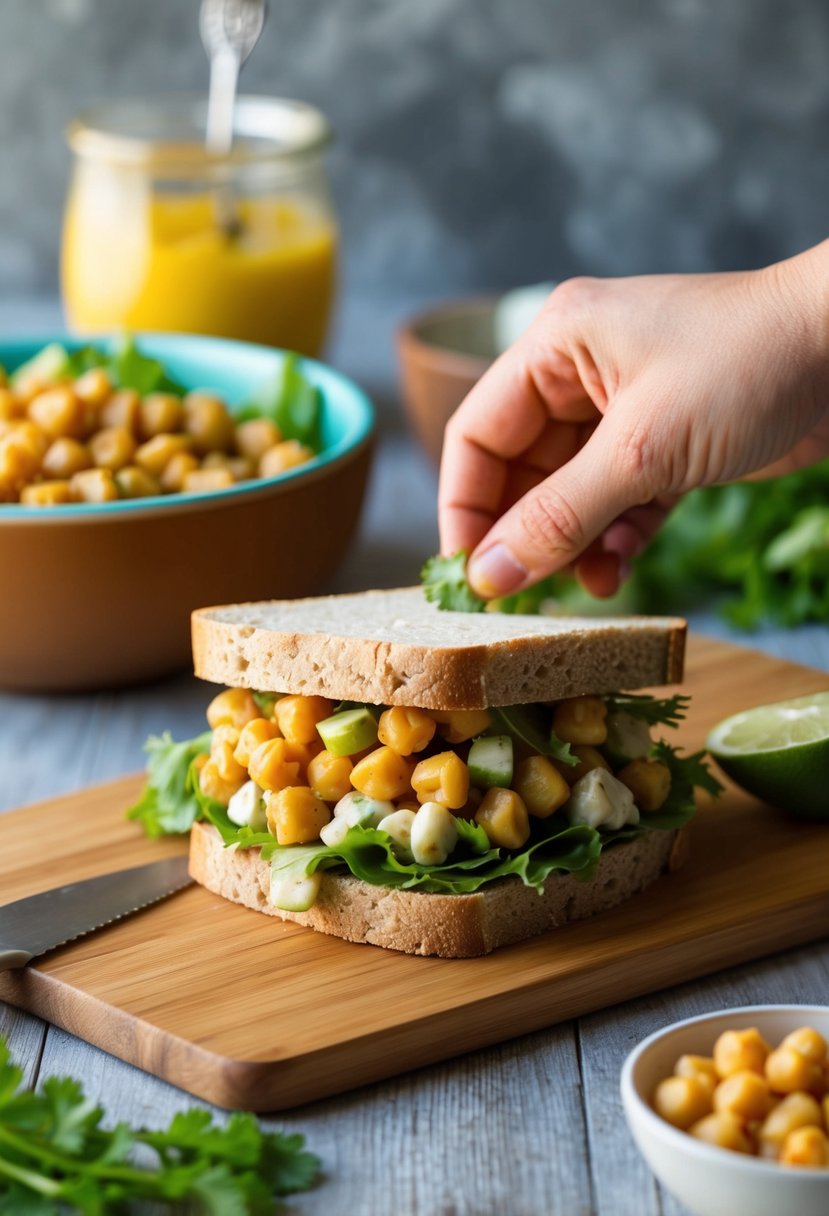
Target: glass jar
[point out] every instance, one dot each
(160, 234)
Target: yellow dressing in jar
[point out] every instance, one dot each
(144, 246)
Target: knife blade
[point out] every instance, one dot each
(31, 926)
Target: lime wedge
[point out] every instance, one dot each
(780, 753)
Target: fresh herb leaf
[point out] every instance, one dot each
(665, 711)
(265, 701)
(129, 368)
(291, 401)
(529, 724)
(169, 803)
(444, 584)
(50, 363)
(529, 601)
(55, 1156)
(687, 774)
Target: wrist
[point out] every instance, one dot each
(802, 285)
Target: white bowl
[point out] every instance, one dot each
(714, 1181)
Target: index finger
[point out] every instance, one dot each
(503, 419)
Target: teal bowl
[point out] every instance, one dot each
(100, 595)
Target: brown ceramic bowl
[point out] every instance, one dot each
(98, 595)
(442, 354)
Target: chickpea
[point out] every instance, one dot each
(11, 407)
(93, 387)
(788, 1070)
(176, 470)
(701, 1067)
(156, 453)
(682, 1101)
(239, 467)
(738, 1050)
(254, 437)
(746, 1094)
(58, 412)
(159, 414)
(805, 1146)
(724, 1130)
(808, 1042)
(112, 448)
(283, 456)
(134, 482)
(201, 481)
(122, 409)
(796, 1110)
(207, 422)
(46, 494)
(94, 485)
(65, 457)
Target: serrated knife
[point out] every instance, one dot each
(38, 923)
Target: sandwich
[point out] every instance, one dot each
(435, 783)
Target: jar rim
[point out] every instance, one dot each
(265, 129)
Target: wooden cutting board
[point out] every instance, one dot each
(249, 1012)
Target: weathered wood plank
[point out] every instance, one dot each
(498, 1132)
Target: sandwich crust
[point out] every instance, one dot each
(395, 648)
(450, 926)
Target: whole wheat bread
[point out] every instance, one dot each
(451, 926)
(395, 648)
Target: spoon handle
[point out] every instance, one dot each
(224, 77)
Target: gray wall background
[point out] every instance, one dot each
(481, 143)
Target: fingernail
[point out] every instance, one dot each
(625, 571)
(496, 571)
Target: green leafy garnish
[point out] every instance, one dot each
(55, 1156)
(687, 774)
(129, 368)
(444, 584)
(169, 801)
(291, 401)
(529, 724)
(124, 363)
(664, 711)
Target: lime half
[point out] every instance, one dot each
(780, 753)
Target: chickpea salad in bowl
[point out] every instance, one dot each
(101, 424)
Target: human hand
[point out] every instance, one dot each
(622, 396)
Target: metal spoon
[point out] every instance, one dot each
(229, 31)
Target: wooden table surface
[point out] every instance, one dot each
(530, 1128)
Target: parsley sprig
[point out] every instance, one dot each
(55, 1156)
(656, 711)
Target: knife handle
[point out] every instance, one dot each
(12, 958)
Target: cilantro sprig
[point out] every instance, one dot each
(656, 711)
(55, 1156)
(444, 584)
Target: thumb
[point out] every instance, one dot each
(552, 525)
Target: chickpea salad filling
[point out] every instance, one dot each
(95, 425)
(441, 802)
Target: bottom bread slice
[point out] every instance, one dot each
(451, 926)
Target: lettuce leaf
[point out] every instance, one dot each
(291, 401)
(169, 801)
(528, 724)
(367, 853)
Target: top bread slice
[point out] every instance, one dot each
(396, 648)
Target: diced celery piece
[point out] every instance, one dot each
(348, 732)
(490, 762)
